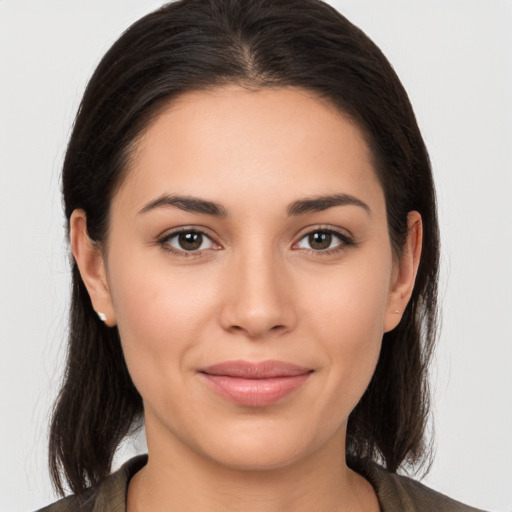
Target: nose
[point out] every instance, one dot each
(258, 298)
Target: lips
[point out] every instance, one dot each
(255, 384)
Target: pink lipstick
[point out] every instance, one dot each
(255, 384)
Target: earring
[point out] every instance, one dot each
(396, 312)
(101, 316)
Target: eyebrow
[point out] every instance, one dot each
(203, 206)
(320, 203)
(187, 203)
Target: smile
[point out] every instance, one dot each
(255, 384)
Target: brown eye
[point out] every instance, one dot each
(320, 240)
(190, 241)
(324, 240)
(187, 242)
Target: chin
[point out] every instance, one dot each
(257, 456)
(259, 447)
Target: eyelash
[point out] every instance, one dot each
(344, 242)
(164, 242)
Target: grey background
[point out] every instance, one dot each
(454, 58)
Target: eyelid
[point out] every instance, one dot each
(345, 238)
(163, 241)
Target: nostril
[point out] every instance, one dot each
(249, 311)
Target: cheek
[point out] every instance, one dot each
(350, 303)
(160, 316)
(347, 313)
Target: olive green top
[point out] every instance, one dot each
(395, 493)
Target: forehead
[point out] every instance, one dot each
(229, 141)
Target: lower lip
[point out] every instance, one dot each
(255, 392)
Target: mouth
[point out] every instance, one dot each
(255, 384)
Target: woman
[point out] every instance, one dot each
(248, 196)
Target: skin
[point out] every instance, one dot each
(257, 289)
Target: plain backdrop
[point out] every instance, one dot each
(454, 58)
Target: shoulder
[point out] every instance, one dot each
(83, 503)
(110, 495)
(400, 493)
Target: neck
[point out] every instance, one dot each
(177, 478)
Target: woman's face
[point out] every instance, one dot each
(250, 273)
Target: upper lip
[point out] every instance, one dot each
(255, 370)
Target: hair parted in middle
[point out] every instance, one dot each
(192, 45)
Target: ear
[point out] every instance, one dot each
(405, 272)
(91, 264)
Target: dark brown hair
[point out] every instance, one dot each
(197, 44)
